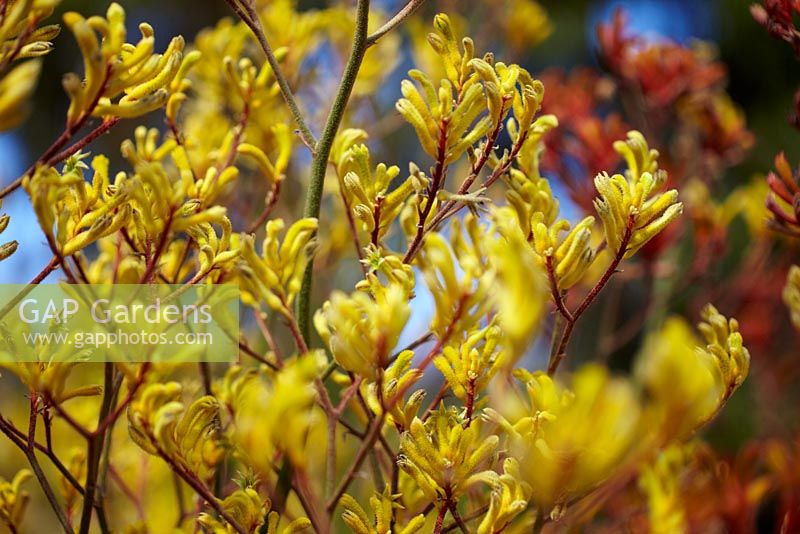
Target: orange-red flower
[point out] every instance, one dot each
(784, 198)
(776, 16)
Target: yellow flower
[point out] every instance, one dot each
(508, 499)
(526, 24)
(791, 295)
(660, 482)
(245, 506)
(678, 379)
(249, 510)
(575, 438)
(532, 200)
(6, 249)
(687, 382)
(264, 404)
(50, 379)
(366, 191)
(385, 269)
(15, 89)
(536, 211)
(361, 330)
(518, 292)
(724, 347)
(568, 258)
(81, 212)
(13, 499)
(399, 377)
(113, 67)
(20, 39)
(215, 251)
(443, 457)
(469, 368)
(383, 506)
(445, 118)
(632, 210)
(162, 425)
(275, 276)
(458, 276)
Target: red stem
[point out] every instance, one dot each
(199, 488)
(48, 157)
(30, 452)
(450, 207)
(436, 184)
(377, 217)
(557, 297)
(101, 129)
(366, 447)
(470, 402)
(106, 422)
(295, 330)
(271, 203)
(560, 352)
(49, 268)
(480, 163)
(440, 520)
(152, 264)
(237, 139)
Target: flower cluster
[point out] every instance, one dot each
(630, 206)
(21, 37)
(784, 198)
(415, 350)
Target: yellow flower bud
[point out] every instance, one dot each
(361, 330)
(661, 483)
(277, 273)
(443, 457)
(508, 499)
(791, 295)
(631, 209)
(16, 87)
(14, 500)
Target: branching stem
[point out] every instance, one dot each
(557, 355)
(372, 436)
(453, 206)
(437, 182)
(30, 452)
(437, 529)
(400, 17)
(246, 11)
(95, 450)
(55, 153)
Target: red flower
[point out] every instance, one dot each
(776, 16)
(784, 198)
(662, 71)
(582, 145)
